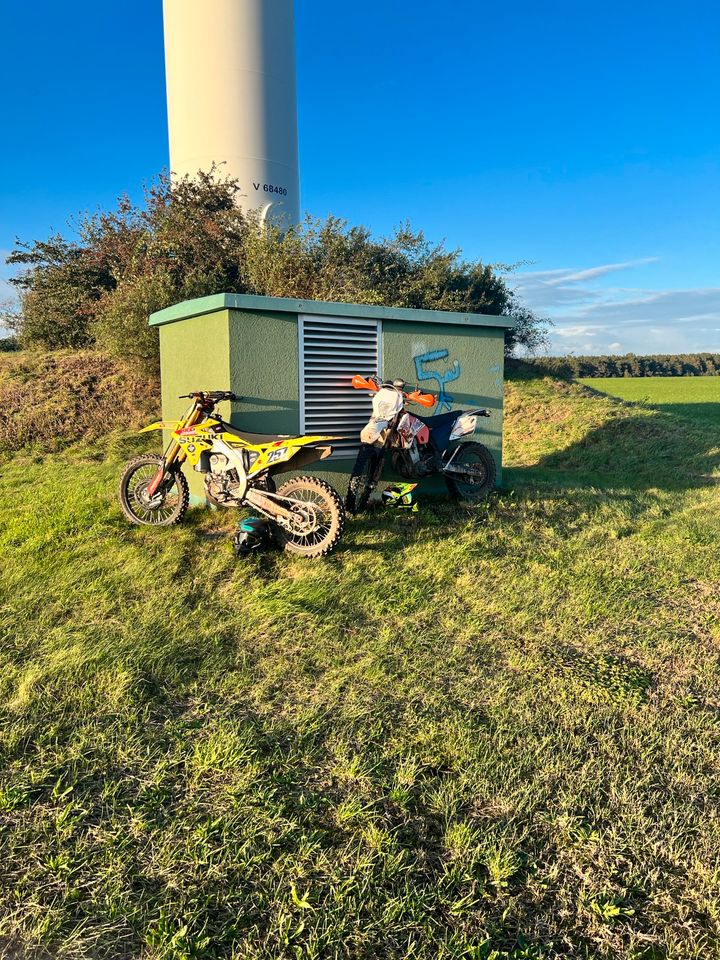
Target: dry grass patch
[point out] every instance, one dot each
(51, 400)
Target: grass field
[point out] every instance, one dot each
(470, 733)
(697, 397)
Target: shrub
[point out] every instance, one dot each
(58, 292)
(121, 325)
(190, 238)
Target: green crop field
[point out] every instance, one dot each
(697, 397)
(487, 733)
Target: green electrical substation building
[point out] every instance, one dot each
(291, 361)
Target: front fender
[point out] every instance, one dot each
(162, 425)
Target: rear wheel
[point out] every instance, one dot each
(318, 517)
(364, 477)
(479, 480)
(169, 503)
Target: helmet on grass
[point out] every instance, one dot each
(251, 534)
(400, 495)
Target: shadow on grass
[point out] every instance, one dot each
(707, 413)
(634, 452)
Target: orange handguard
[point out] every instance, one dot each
(360, 383)
(424, 399)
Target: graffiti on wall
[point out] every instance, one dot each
(427, 367)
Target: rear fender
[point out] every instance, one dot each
(301, 456)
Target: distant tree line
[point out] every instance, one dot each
(190, 238)
(630, 365)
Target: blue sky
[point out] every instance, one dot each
(582, 139)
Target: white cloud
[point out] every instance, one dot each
(588, 314)
(565, 275)
(575, 331)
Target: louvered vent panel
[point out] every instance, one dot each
(332, 351)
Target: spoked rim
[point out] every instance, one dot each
(318, 505)
(140, 504)
(470, 479)
(477, 484)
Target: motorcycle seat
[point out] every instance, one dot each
(256, 438)
(440, 418)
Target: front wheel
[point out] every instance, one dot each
(478, 480)
(169, 503)
(318, 517)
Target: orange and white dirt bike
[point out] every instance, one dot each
(418, 446)
(307, 515)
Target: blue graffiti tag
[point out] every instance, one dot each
(444, 399)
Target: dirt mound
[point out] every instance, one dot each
(59, 398)
(564, 427)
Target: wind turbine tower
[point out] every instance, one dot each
(230, 67)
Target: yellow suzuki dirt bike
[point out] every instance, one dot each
(307, 515)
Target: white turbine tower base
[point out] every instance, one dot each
(230, 67)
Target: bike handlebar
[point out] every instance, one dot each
(215, 395)
(414, 395)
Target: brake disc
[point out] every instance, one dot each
(147, 503)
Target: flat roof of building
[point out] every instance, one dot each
(245, 301)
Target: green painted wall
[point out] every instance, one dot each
(194, 355)
(264, 371)
(477, 353)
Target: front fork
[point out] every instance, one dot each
(174, 453)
